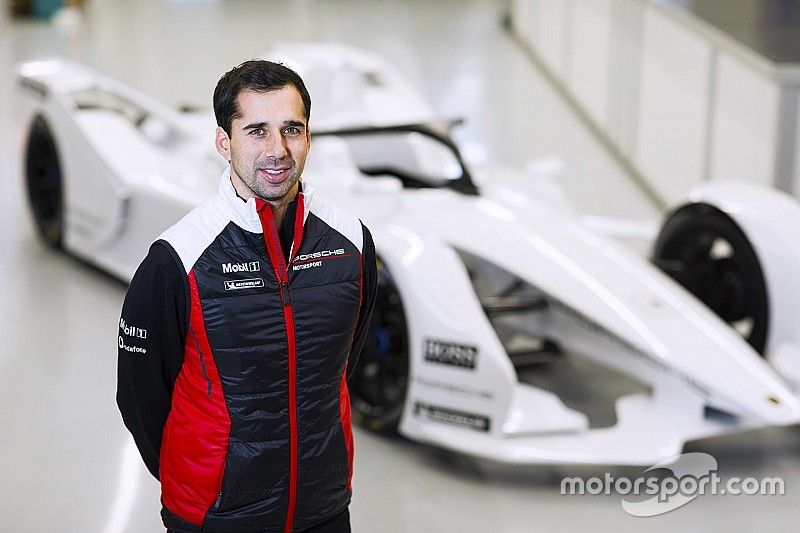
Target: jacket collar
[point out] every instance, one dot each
(245, 214)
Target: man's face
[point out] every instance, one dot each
(269, 142)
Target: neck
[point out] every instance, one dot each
(278, 206)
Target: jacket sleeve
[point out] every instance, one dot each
(152, 331)
(369, 292)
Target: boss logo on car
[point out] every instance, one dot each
(450, 416)
(448, 353)
(253, 266)
(231, 285)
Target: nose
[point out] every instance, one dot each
(276, 146)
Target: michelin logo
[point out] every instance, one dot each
(253, 266)
(232, 285)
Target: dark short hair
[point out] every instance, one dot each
(254, 75)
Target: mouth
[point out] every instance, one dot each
(275, 175)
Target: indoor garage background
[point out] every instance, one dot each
(67, 463)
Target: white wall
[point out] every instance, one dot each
(745, 123)
(589, 51)
(797, 151)
(547, 35)
(673, 104)
(680, 101)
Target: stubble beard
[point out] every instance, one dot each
(262, 189)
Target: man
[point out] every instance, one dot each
(239, 327)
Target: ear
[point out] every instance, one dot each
(223, 144)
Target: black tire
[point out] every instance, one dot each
(704, 250)
(44, 183)
(380, 380)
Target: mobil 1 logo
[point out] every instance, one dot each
(451, 354)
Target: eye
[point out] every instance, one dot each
(256, 131)
(292, 130)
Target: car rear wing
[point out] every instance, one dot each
(54, 76)
(79, 87)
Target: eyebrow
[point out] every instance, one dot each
(257, 125)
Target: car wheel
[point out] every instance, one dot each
(44, 183)
(378, 384)
(704, 250)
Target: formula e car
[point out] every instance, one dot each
(505, 327)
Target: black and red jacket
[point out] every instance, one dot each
(234, 344)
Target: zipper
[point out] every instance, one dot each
(286, 298)
(218, 501)
(279, 265)
(202, 362)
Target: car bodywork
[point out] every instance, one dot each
(487, 262)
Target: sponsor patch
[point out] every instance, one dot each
(319, 254)
(455, 389)
(132, 331)
(448, 353)
(127, 348)
(234, 284)
(253, 266)
(453, 417)
(304, 266)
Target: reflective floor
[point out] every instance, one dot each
(67, 462)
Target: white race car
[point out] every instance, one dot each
(505, 327)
